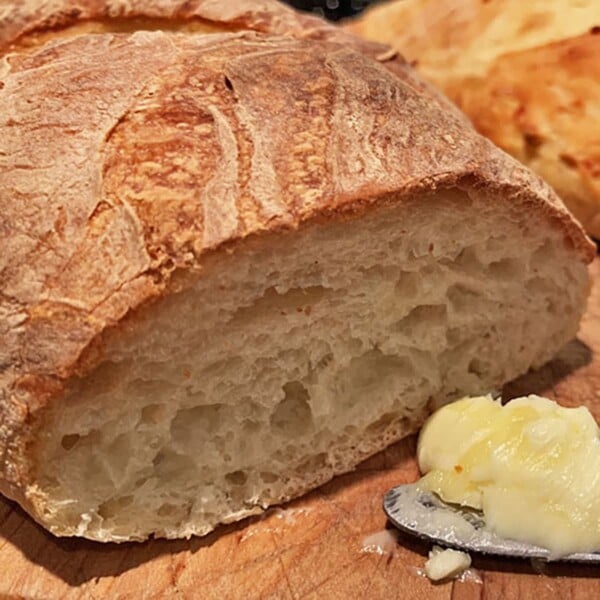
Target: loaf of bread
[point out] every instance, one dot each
(526, 73)
(236, 264)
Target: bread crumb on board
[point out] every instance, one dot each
(446, 563)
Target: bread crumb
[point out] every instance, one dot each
(446, 564)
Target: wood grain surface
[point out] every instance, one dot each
(311, 548)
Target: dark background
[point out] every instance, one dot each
(331, 9)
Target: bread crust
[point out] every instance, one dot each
(127, 158)
(26, 23)
(526, 73)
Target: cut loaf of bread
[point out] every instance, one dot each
(235, 265)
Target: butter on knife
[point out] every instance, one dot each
(531, 466)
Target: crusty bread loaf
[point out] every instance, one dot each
(526, 73)
(234, 265)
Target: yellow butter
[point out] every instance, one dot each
(532, 466)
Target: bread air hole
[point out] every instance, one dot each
(69, 441)
(292, 417)
(108, 509)
(237, 477)
(152, 414)
(507, 269)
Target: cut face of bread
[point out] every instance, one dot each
(296, 356)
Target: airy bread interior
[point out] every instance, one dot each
(298, 355)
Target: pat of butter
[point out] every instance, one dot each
(445, 564)
(532, 467)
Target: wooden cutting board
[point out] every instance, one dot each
(312, 548)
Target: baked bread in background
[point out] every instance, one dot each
(237, 264)
(526, 73)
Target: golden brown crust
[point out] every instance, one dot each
(526, 73)
(125, 157)
(28, 22)
(541, 106)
